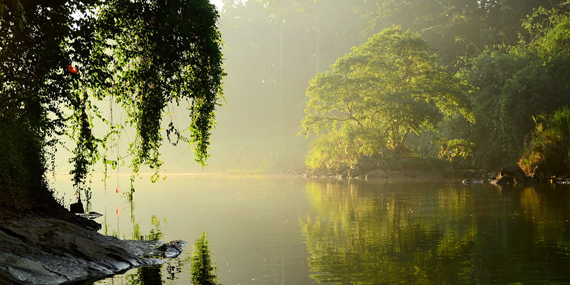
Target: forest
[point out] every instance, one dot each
(150, 87)
(466, 82)
(307, 84)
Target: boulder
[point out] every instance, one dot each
(514, 171)
(52, 251)
(503, 180)
(509, 174)
(342, 170)
(353, 173)
(367, 163)
(376, 174)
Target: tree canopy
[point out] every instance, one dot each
(142, 56)
(516, 82)
(382, 91)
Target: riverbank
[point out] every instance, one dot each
(371, 168)
(45, 250)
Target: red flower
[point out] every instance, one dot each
(72, 69)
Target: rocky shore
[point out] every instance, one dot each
(514, 175)
(40, 250)
(369, 168)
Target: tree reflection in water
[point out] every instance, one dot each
(202, 267)
(150, 275)
(203, 271)
(418, 233)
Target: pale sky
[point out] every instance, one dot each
(218, 4)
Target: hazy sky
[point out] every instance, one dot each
(218, 4)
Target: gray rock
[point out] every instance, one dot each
(51, 251)
(91, 215)
(509, 174)
(353, 173)
(367, 163)
(475, 181)
(342, 170)
(514, 171)
(503, 180)
(376, 174)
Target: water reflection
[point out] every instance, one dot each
(151, 275)
(298, 231)
(252, 224)
(203, 271)
(428, 234)
(202, 268)
(146, 276)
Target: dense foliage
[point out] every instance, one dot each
(274, 48)
(548, 151)
(456, 28)
(379, 93)
(513, 61)
(515, 83)
(145, 57)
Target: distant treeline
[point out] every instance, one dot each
(460, 80)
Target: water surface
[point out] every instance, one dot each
(278, 230)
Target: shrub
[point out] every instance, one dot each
(548, 152)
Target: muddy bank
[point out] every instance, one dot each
(52, 251)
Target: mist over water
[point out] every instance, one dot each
(279, 230)
(378, 92)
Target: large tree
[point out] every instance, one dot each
(60, 59)
(382, 91)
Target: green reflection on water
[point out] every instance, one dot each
(362, 233)
(203, 271)
(150, 275)
(202, 268)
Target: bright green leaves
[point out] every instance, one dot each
(547, 33)
(382, 91)
(159, 53)
(548, 152)
(139, 56)
(514, 83)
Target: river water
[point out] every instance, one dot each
(279, 230)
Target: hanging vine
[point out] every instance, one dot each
(142, 55)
